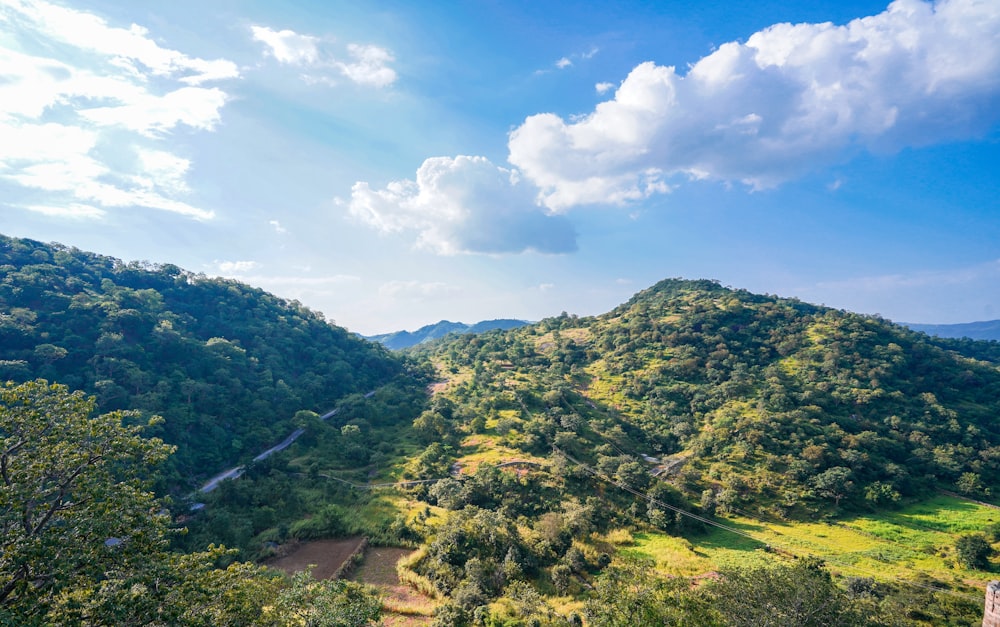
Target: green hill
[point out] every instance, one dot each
(769, 400)
(226, 365)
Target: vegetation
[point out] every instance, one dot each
(648, 466)
(84, 543)
(227, 366)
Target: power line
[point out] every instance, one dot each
(745, 534)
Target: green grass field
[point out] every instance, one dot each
(915, 542)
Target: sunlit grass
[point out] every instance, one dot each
(914, 542)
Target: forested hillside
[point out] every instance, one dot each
(767, 400)
(542, 481)
(225, 364)
(690, 408)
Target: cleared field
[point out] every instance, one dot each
(915, 542)
(326, 555)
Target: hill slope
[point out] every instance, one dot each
(769, 400)
(227, 365)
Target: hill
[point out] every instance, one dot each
(986, 330)
(226, 365)
(399, 340)
(768, 400)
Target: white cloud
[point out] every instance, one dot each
(567, 61)
(362, 64)
(464, 205)
(791, 99)
(129, 48)
(155, 114)
(603, 88)
(84, 105)
(236, 267)
(277, 227)
(288, 46)
(368, 66)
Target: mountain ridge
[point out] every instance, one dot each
(988, 330)
(399, 340)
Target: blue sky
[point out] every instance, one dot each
(395, 163)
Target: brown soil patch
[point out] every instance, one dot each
(327, 555)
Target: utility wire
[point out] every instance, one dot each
(745, 534)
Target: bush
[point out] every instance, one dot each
(974, 551)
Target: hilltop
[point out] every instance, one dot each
(772, 396)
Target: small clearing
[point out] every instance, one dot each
(404, 607)
(326, 555)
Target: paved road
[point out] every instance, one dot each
(235, 473)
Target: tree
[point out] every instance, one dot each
(630, 593)
(70, 501)
(327, 603)
(801, 594)
(974, 551)
(834, 483)
(83, 543)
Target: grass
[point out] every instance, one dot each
(915, 542)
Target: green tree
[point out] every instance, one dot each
(327, 603)
(629, 594)
(70, 499)
(974, 551)
(834, 483)
(801, 594)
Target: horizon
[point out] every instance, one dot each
(392, 166)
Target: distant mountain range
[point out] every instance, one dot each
(986, 330)
(403, 339)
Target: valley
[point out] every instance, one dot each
(693, 441)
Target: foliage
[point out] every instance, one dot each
(327, 603)
(70, 499)
(974, 551)
(226, 365)
(626, 595)
(85, 544)
(770, 400)
(801, 594)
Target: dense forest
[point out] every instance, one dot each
(520, 464)
(227, 366)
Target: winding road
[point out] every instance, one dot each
(236, 472)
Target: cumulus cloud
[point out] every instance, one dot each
(791, 99)
(83, 105)
(362, 64)
(464, 205)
